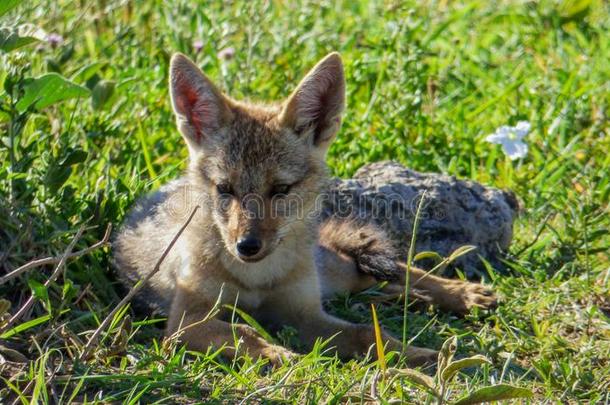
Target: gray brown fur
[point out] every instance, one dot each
(455, 212)
(238, 149)
(366, 244)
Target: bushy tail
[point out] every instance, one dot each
(367, 244)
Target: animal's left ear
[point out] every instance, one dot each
(314, 108)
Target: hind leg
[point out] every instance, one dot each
(448, 294)
(339, 273)
(354, 256)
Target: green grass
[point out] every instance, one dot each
(427, 81)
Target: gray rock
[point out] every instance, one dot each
(454, 212)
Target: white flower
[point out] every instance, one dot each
(511, 139)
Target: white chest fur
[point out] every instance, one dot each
(254, 282)
(265, 273)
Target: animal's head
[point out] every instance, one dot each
(261, 167)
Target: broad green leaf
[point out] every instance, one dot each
(422, 380)
(428, 255)
(455, 366)
(7, 5)
(446, 353)
(494, 393)
(12, 38)
(56, 176)
(574, 10)
(102, 92)
(40, 291)
(49, 89)
(68, 291)
(73, 157)
(86, 72)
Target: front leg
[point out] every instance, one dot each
(187, 319)
(351, 340)
(299, 304)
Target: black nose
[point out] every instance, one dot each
(248, 246)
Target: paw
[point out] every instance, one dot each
(415, 356)
(277, 355)
(469, 295)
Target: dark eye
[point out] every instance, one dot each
(280, 189)
(225, 190)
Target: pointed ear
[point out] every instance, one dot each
(200, 107)
(314, 108)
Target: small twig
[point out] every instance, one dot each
(374, 394)
(53, 260)
(82, 294)
(137, 287)
(58, 269)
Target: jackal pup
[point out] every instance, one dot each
(256, 172)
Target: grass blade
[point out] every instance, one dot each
(252, 322)
(379, 341)
(409, 262)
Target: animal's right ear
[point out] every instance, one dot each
(201, 109)
(314, 109)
